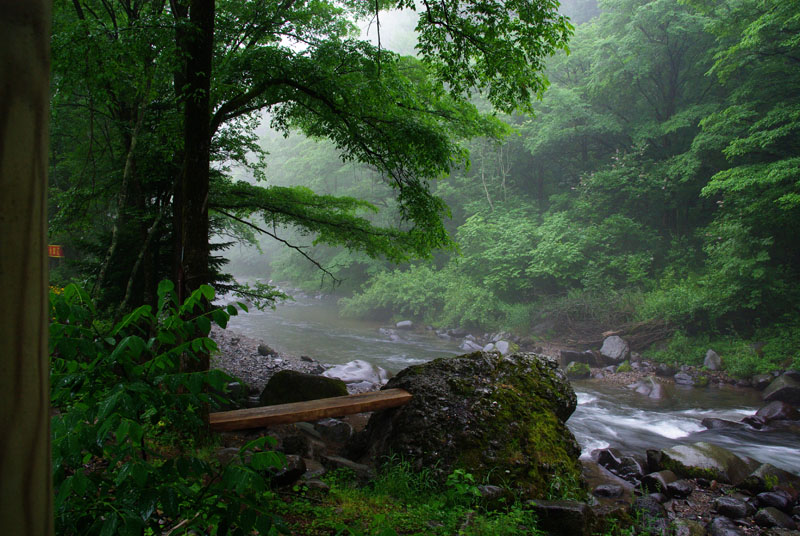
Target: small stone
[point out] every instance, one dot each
(611, 491)
(404, 324)
(731, 507)
(761, 381)
(265, 350)
(307, 359)
(658, 481)
(683, 378)
(722, 526)
(490, 493)
(680, 488)
(772, 517)
(778, 499)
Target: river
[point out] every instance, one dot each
(606, 415)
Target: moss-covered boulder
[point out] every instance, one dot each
(578, 371)
(291, 386)
(705, 460)
(500, 418)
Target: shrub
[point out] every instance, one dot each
(127, 436)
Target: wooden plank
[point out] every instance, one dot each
(242, 419)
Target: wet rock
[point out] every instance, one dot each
(608, 491)
(712, 360)
(658, 392)
(577, 371)
(658, 481)
(405, 324)
(334, 430)
(680, 489)
(489, 347)
(564, 518)
(766, 476)
(609, 458)
(722, 526)
(653, 460)
(682, 378)
(502, 418)
(778, 410)
(784, 389)
(615, 349)
(632, 468)
(708, 461)
(719, 424)
(793, 374)
(732, 507)
(778, 499)
(290, 386)
(772, 517)
(754, 421)
(761, 381)
(357, 371)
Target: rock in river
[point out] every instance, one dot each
(707, 461)
(500, 418)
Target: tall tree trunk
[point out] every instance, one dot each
(191, 200)
(26, 495)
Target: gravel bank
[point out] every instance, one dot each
(239, 356)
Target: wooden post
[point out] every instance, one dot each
(26, 497)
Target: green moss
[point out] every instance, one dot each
(578, 370)
(625, 366)
(536, 456)
(701, 381)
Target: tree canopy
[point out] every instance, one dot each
(149, 94)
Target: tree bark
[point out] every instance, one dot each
(197, 44)
(26, 498)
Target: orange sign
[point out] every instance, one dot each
(55, 251)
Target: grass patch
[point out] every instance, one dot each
(773, 348)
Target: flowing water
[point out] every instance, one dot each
(606, 416)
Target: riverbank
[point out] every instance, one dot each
(241, 356)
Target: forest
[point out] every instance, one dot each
(554, 170)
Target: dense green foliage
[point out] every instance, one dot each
(129, 454)
(122, 200)
(658, 176)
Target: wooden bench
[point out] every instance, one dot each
(312, 410)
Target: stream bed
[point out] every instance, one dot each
(607, 416)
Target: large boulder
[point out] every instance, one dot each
(712, 360)
(615, 349)
(500, 418)
(291, 386)
(783, 388)
(705, 460)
